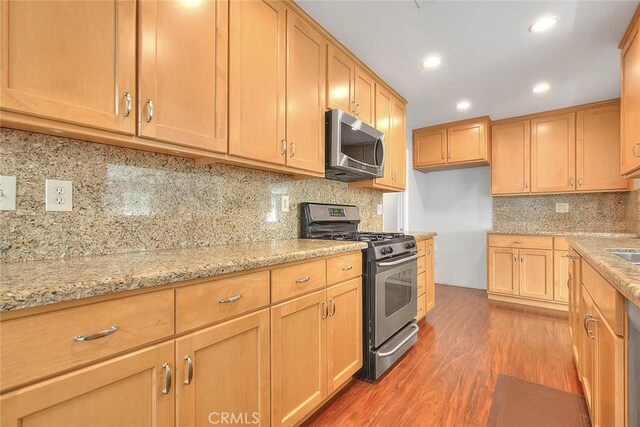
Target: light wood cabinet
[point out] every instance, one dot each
(575, 297)
(430, 286)
(125, 391)
(510, 158)
(223, 371)
(399, 144)
(598, 149)
(553, 153)
(536, 273)
(560, 276)
(587, 354)
(630, 99)
(340, 80)
(70, 61)
(383, 124)
(364, 96)
(183, 53)
(503, 276)
(452, 145)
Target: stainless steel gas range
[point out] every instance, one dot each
(389, 283)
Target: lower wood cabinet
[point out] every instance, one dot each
(560, 276)
(536, 273)
(575, 298)
(132, 390)
(223, 372)
(426, 285)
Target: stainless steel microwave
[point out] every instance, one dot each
(355, 150)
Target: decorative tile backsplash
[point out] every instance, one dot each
(594, 212)
(128, 200)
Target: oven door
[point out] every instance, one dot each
(395, 299)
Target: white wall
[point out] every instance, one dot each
(455, 204)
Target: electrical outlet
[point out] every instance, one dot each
(285, 204)
(379, 209)
(7, 193)
(58, 195)
(562, 207)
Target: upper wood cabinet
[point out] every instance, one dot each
(452, 145)
(510, 160)
(341, 74)
(257, 84)
(183, 73)
(630, 99)
(70, 61)
(399, 148)
(553, 154)
(364, 96)
(383, 124)
(598, 149)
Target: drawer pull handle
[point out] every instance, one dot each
(127, 104)
(189, 378)
(347, 268)
(518, 242)
(149, 110)
(325, 310)
(332, 305)
(167, 378)
(569, 280)
(303, 280)
(569, 256)
(230, 299)
(588, 319)
(112, 330)
(636, 153)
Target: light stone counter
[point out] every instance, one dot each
(421, 235)
(562, 233)
(623, 275)
(37, 283)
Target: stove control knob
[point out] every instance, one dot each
(410, 245)
(386, 250)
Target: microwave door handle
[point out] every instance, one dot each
(384, 152)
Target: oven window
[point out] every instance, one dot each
(360, 146)
(397, 292)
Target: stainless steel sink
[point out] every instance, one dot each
(631, 255)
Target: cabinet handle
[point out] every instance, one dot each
(332, 303)
(347, 268)
(357, 109)
(449, 155)
(230, 299)
(325, 310)
(127, 104)
(580, 181)
(521, 258)
(442, 155)
(293, 149)
(571, 181)
(517, 242)
(167, 378)
(284, 147)
(569, 280)
(149, 110)
(303, 280)
(515, 258)
(84, 338)
(636, 153)
(353, 107)
(588, 319)
(526, 185)
(189, 378)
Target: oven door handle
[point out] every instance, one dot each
(400, 261)
(403, 342)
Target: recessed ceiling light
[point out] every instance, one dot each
(431, 62)
(541, 87)
(543, 24)
(463, 105)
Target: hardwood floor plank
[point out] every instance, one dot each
(448, 377)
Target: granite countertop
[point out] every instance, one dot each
(562, 233)
(623, 275)
(38, 283)
(421, 235)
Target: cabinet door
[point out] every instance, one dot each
(510, 160)
(430, 286)
(125, 391)
(575, 308)
(466, 143)
(587, 351)
(383, 124)
(503, 271)
(298, 351)
(560, 276)
(398, 138)
(70, 61)
(257, 30)
(183, 73)
(609, 394)
(430, 147)
(598, 149)
(364, 96)
(306, 70)
(344, 332)
(536, 273)
(553, 153)
(630, 104)
(230, 372)
(340, 80)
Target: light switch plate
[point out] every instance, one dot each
(379, 209)
(285, 204)
(7, 193)
(58, 195)
(562, 207)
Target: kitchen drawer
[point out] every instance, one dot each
(422, 264)
(609, 301)
(344, 267)
(515, 241)
(560, 244)
(288, 282)
(422, 283)
(42, 345)
(422, 307)
(422, 247)
(217, 300)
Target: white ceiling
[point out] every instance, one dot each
(488, 55)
